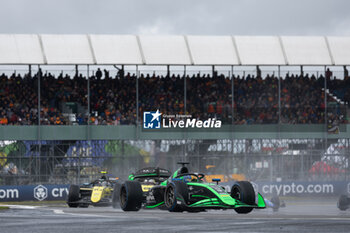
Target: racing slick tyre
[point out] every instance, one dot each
(343, 202)
(176, 190)
(115, 195)
(276, 203)
(131, 197)
(73, 196)
(244, 192)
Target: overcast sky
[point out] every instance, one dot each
(204, 17)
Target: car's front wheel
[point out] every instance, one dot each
(176, 194)
(73, 196)
(244, 192)
(131, 196)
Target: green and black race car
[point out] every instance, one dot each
(186, 191)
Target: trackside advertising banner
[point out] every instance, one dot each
(298, 188)
(33, 193)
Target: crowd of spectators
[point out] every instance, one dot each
(256, 100)
(302, 100)
(113, 99)
(18, 100)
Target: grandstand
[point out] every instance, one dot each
(283, 100)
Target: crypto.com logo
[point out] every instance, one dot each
(40, 192)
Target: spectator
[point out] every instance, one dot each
(98, 74)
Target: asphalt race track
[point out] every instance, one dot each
(296, 217)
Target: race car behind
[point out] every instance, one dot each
(146, 177)
(97, 193)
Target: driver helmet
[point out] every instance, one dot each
(104, 183)
(187, 178)
(195, 178)
(151, 181)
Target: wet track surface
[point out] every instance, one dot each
(296, 217)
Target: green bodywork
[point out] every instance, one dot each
(221, 200)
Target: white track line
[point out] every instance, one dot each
(22, 206)
(59, 211)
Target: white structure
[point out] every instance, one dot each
(306, 50)
(116, 49)
(20, 49)
(212, 50)
(173, 50)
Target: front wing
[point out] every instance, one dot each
(218, 203)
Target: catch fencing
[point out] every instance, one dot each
(258, 160)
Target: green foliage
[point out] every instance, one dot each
(121, 151)
(116, 148)
(7, 149)
(8, 152)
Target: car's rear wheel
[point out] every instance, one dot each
(73, 196)
(174, 192)
(115, 195)
(244, 192)
(343, 202)
(130, 197)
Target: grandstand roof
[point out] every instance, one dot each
(20, 49)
